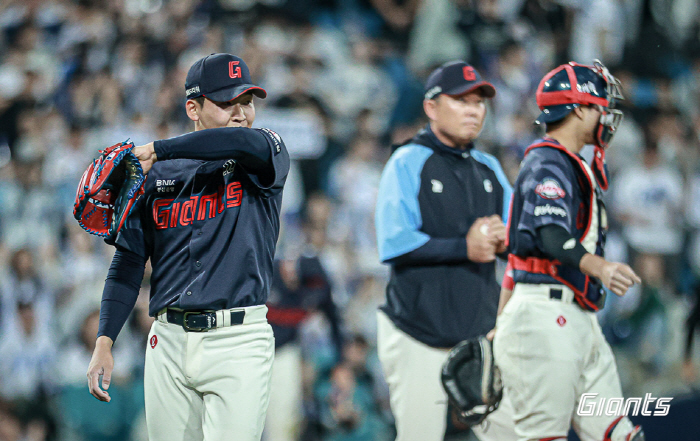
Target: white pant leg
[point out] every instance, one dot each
(173, 408)
(235, 365)
(284, 414)
(600, 376)
(412, 371)
(541, 362)
(498, 425)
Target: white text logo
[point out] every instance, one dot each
(544, 210)
(165, 185)
(590, 406)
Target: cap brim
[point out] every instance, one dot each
(228, 94)
(485, 86)
(555, 113)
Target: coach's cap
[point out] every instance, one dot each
(220, 77)
(456, 78)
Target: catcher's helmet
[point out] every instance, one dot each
(572, 85)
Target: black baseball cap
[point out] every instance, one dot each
(220, 77)
(456, 78)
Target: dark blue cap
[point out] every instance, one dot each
(456, 78)
(220, 77)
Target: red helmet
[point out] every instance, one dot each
(571, 85)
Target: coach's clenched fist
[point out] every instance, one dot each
(482, 243)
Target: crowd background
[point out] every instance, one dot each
(344, 80)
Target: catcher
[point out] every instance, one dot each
(548, 343)
(208, 221)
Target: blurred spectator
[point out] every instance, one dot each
(82, 418)
(648, 202)
(645, 326)
(353, 182)
(27, 368)
(348, 409)
(300, 288)
(598, 31)
(28, 209)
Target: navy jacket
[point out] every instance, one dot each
(429, 197)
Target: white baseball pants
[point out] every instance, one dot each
(418, 401)
(210, 386)
(551, 351)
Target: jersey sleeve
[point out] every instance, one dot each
(131, 237)
(398, 217)
(547, 197)
(261, 152)
(274, 176)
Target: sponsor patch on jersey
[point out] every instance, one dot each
(561, 321)
(488, 186)
(165, 185)
(437, 186)
(548, 210)
(154, 341)
(549, 188)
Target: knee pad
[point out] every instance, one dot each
(637, 434)
(623, 430)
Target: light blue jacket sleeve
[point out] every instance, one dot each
(398, 217)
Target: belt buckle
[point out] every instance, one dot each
(195, 329)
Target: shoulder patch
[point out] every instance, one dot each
(549, 188)
(276, 139)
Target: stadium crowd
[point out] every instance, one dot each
(344, 81)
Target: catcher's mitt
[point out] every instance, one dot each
(109, 190)
(472, 381)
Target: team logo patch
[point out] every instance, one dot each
(488, 186)
(437, 186)
(561, 321)
(549, 188)
(154, 341)
(229, 166)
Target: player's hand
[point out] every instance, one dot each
(497, 232)
(481, 247)
(147, 156)
(618, 277)
(102, 363)
(491, 334)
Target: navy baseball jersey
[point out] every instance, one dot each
(209, 225)
(556, 187)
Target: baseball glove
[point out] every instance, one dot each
(109, 190)
(472, 381)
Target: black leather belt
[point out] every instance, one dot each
(200, 321)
